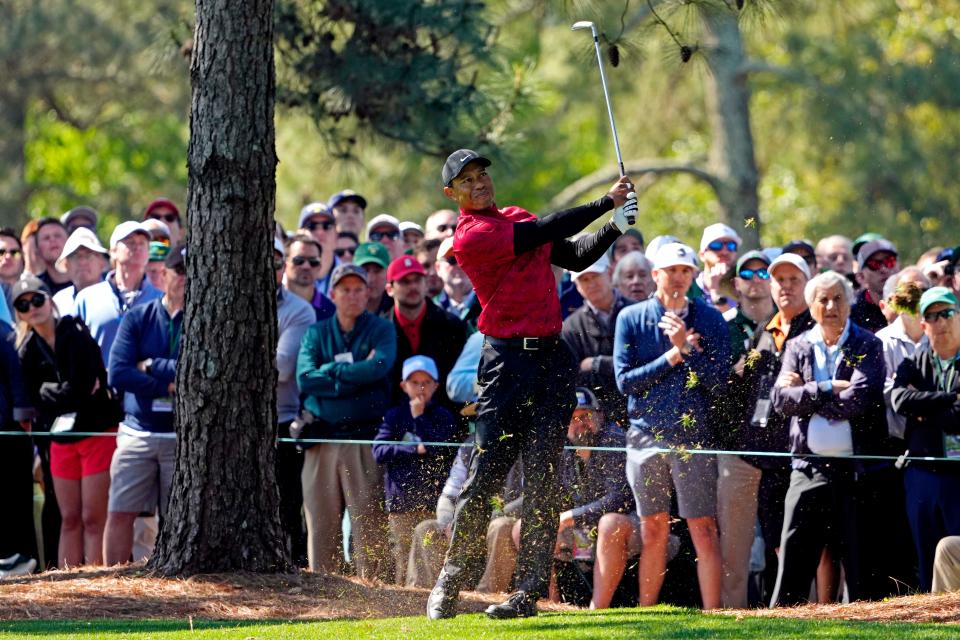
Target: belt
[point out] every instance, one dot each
(526, 344)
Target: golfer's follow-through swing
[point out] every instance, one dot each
(526, 374)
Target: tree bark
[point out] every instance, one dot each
(223, 512)
(13, 162)
(728, 106)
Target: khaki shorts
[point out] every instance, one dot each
(141, 473)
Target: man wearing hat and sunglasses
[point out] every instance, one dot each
(526, 372)
(878, 261)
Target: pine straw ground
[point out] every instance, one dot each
(132, 593)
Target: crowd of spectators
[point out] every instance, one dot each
(825, 373)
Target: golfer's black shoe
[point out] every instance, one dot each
(519, 605)
(442, 602)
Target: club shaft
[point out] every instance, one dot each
(606, 95)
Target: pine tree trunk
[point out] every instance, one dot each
(13, 159)
(728, 105)
(223, 512)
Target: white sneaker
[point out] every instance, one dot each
(17, 565)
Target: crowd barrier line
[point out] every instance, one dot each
(667, 450)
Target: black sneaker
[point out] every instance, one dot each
(519, 605)
(442, 603)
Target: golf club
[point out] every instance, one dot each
(586, 24)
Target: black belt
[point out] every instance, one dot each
(526, 344)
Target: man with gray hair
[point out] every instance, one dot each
(831, 388)
(632, 276)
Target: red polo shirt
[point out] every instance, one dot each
(411, 328)
(518, 293)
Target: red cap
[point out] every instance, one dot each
(160, 202)
(404, 266)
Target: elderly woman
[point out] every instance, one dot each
(831, 388)
(632, 276)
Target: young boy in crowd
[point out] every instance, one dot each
(414, 473)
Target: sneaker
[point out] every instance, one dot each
(519, 605)
(17, 565)
(442, 603)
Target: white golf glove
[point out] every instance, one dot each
(625, 215)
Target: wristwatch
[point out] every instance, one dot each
(147, 364)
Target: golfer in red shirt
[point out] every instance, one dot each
(526, 373)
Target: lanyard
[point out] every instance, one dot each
(174, 336)
(946, 374)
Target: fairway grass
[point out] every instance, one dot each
(648, 624)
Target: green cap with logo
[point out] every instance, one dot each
(934, 295)
(372, 252)
(752, 255)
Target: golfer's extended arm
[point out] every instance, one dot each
(577, 255)
(558, 225)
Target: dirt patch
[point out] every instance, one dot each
(943, 607)
(136, 594)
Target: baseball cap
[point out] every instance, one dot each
(158, 251)
(382, 219)
(371, 252)
(407, 225)
(80, 212)
(457, 160)
(346, 194)
(155, 226)
(278, 245)
(944, 254)
(82, 237)
(793, 245)
(790, 258)
(446, 248)
(420, 363)
(28, 284)
(176, 258)
(751, 255)
(863, 239)
(715, 232)
(404, 266)
(934, 295)
(126, 229)
(675, 254)
(313, 209)
(161, 202)
(345, 270)
(656, 243)
(586, 399)
(872, 247)
(600, 266)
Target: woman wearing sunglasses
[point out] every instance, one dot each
(64, 375)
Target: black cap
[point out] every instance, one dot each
(176, 258)
(457, 160)
(28, 284)
(793, 245)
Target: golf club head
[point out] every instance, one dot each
(584, 24)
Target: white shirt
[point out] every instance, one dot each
(897, 347)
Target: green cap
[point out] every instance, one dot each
(863, 239)
(159, 251)
(372, 252)
(751, 255)
(934, 295)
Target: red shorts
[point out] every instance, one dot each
(87, 457)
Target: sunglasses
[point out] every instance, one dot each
(443, 228)
(747, 274)
(933, 316)
(298, 261)
(313, 225)
(875, 264)
(13, 253)
(180, 269)
(166, 217)
(278, 264)
(717, 245)
(342, 251)
(22, 304)
(377, 236)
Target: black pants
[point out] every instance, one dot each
(288, 469)
(820, 511)
(526, 402)
(17, 533)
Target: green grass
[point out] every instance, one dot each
(648, 624)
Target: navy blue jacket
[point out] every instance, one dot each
(147, 331)
(414, 482)
(861, 404)
(14, 401)
(598, 484)
(677, 402)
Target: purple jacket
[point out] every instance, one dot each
(862, 404)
